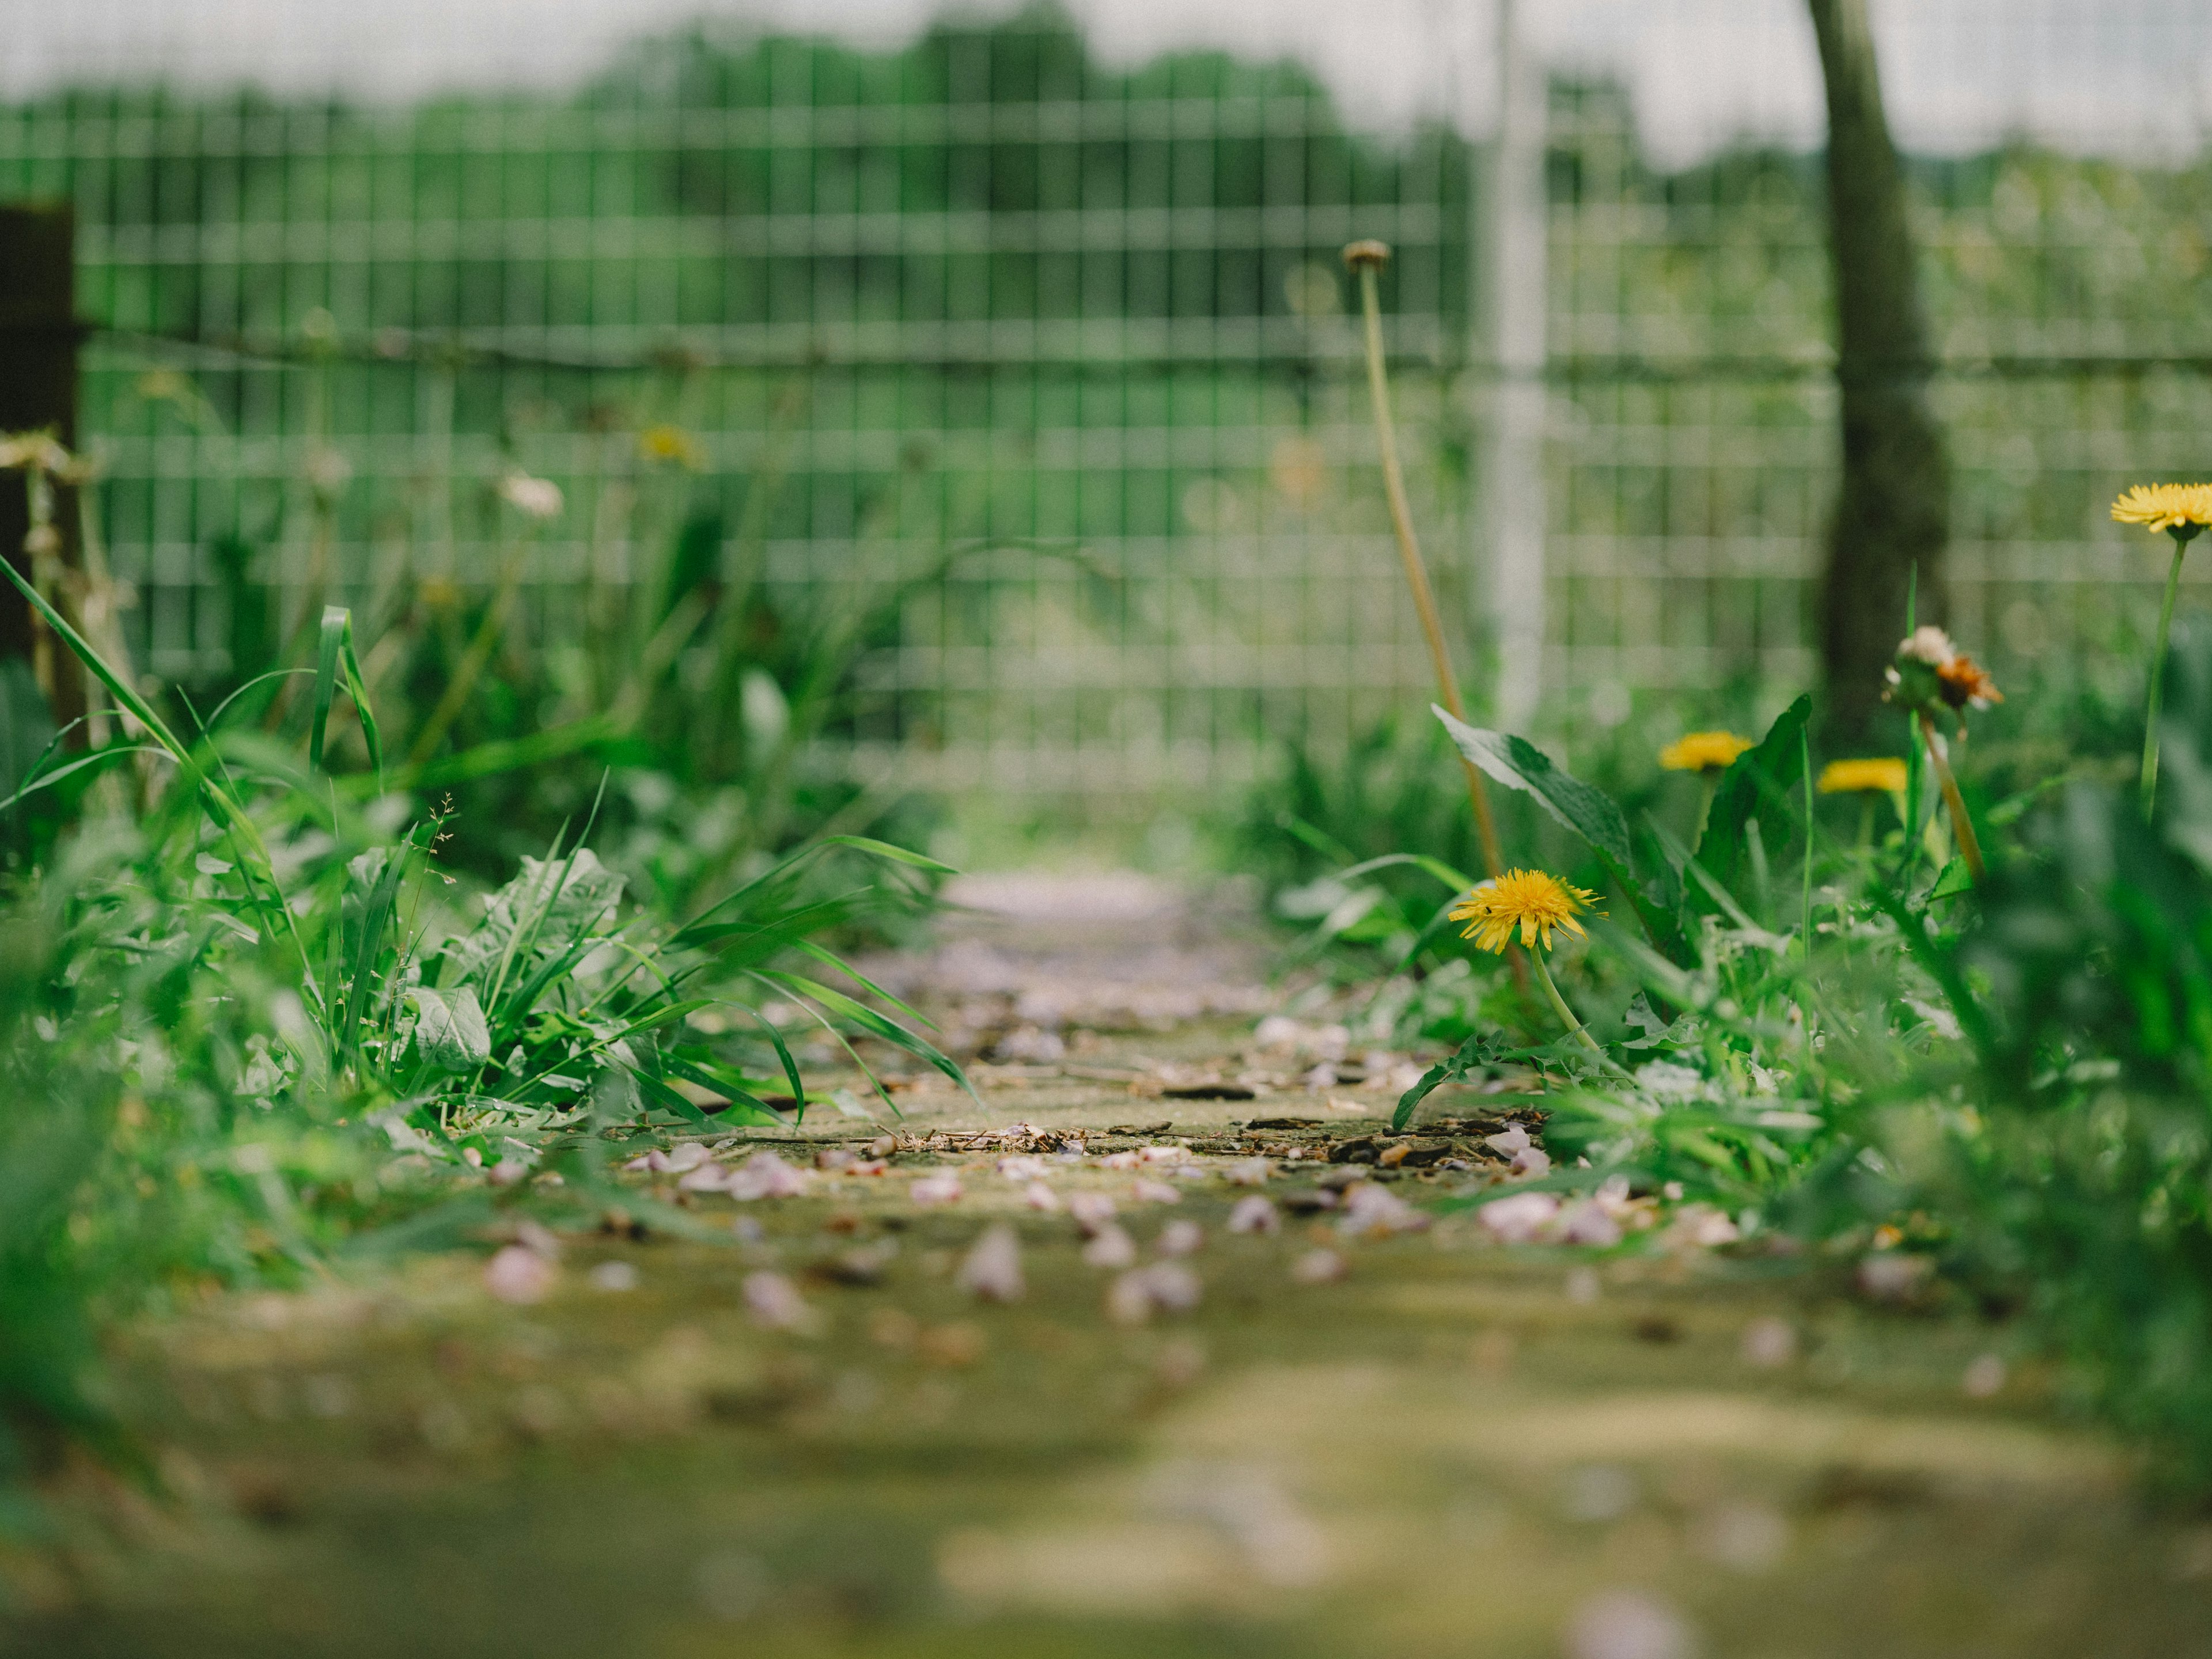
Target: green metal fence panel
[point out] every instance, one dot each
(1064, 350)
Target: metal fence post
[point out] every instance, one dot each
(1516, 225)
(39, 335)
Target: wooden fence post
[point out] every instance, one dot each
(38, 336)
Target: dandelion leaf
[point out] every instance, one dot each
(1765, 783)
(450, 1033)
(1586, 810)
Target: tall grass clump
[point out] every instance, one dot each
(1977, 1044)
(248, 1012)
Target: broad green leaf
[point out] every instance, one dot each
(1954, 881)
(450, 1034)
(1589, 812)
(1761, 783)
(550, 906)
(1478, 1053)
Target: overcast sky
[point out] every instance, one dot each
(2124, 74)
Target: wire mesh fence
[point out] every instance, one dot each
(1057, 357)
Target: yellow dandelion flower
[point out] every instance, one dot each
(1704, 751)
(2185, 509)
(1529, 900)
(1884, 776)
(671, 443)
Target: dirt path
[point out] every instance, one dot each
(812, 1434)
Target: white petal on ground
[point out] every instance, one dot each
(1520, 1219)
(689, 1155)
(1164, 1287)
(1038, 1196)
(1110, 1247)
(1585, 1222)
(1318, 1267)
(1513, 1138)
(936, 1189)
(1127, 1301)
(1091, 1211)
(614, 1276)
(764, 1176)
(1154, 1192)
(1628, 1624)
(1254, 1215)
(774, 1303)
(1251, 1172)
(1532, 1161)
(1893, 1276)
(993, 1269)
(1768, 1343)
(1375, 1211)
(707, 1178)
(1181, 1238)
(519, 1275)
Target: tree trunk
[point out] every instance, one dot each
(1892, 512)
(38, 334)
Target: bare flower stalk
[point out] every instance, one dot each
(1962, 827)
(1365, 258)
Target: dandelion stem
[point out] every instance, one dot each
(2157, 672)
(1365, 258)
(1559, 1003)
(1962, 827)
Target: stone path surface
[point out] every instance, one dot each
(1164, 1348)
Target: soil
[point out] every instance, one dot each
(792, 1426)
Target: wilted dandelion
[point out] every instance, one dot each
(1930, 673)
(1964, 683)
(2182, 511)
